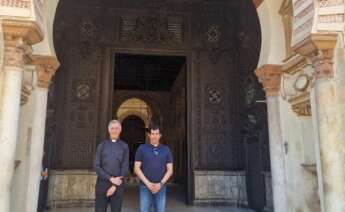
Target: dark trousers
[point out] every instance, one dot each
(42, 197)
(102, 200)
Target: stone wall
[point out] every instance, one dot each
(71, 188)
(222, 187)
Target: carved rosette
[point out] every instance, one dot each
(46, 67)
(270, 77)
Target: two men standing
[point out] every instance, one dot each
(153, 166)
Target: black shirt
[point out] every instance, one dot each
(111, 159)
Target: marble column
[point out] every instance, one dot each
(270, 77)
(45, 69)
(18, 39)
(319, 48)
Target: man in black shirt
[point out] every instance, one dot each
(111, 167)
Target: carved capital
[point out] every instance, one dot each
(46, 67)
(270, 77)
(18, 37)
(319, 49)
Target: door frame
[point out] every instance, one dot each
(107, 84)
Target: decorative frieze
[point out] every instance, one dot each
(330, 3)
(24, 4)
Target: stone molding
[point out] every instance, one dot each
(319, 49)
(18, 38)
(270, 77)
(46, 67)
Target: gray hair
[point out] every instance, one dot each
(114, 122)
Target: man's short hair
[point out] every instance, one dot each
(114, 122)
(154, 127)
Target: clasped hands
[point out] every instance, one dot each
(116, 181)
(154, 187)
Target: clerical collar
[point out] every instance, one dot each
(113, 140)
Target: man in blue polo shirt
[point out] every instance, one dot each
(154, 166)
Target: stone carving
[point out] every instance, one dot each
(147, 30)
(87, 30)
(229, 186)
(46, 67)
(329, 3)
(319, 49)
(214, 96)
(14, 52)
(301, 105)
(81, 151)
(334, 18)
(286, 11)
(296, 86)
(24, 4)
(213, 34)
(270, 77)
(83, 91)
(25, 94)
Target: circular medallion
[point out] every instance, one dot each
(301, 82)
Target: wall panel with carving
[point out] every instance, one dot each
(210, 32)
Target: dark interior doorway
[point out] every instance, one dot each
(160, 82)
(134, 134)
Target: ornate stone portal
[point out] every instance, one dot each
(200, 32)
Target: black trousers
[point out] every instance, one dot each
(42, 197)
(102, 200)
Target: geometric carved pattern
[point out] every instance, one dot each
(87, 30)
(24, 4)
(83, 91)
(151, 29)
(81, 151)
(213, 34)
(329, 3)
(214, 96)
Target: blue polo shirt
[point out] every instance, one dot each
(154, 161)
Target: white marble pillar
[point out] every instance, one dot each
(15, 50)
(319, 48)
(270, 77)
(45, 69)
(18, 38)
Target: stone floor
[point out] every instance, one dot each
(175, 202)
